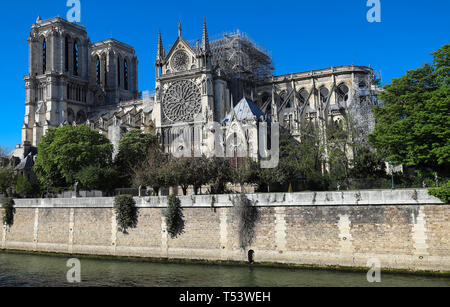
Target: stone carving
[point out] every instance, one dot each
(182, 101)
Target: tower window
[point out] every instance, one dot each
(324, 93)
(66, 53)
(75, 59)
(44, 56)
(98, 70)
(125, 74)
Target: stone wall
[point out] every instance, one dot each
(404, 229)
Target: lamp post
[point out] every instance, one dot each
(391, 166)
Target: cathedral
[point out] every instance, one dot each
(224, 84)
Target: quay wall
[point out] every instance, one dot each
(403, 229)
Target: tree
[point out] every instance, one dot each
(413, 124)
(152, 171)
(178, 173)
(24, 187)
(186, 172)
(65, 151)
(7, 180)
(133, 150)
(219, 173)
(198, 170)
(247, 173)
(95, 178)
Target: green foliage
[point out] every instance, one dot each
(246, 215)
(413, 124)
(65, 151)
(25, 188)
(219, 173)
(126, 212)
(133, 150)
(247, 173)
(9, 211)
(174, 217)
(443, 192)
(7, 180)
(152, 171)
(94, 178)
(367, 164)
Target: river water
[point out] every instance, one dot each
(23, 270)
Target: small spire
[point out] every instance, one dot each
(205, 39)
(160, 52)
(39, 18)
(179, 28)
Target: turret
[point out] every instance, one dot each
(205, 50)
(160, 55)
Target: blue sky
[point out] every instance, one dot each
(301, 34)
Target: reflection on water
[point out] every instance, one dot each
(19, 270)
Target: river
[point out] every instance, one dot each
(24, 270)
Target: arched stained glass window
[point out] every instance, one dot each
(97, 73)
(125, 74)
(75, 58)
(44, 56)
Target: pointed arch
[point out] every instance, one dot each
(342, 91)
(104, 61)
(119, 71)
(324, 94)
(70, 116)
(302, 96)
(97, 69)
(66, 53)
(81, 117)
(44, 56)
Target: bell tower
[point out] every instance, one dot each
(57, 77)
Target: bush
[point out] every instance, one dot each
(126, 212)
(443, 193)
(174, 217)
(8, 215)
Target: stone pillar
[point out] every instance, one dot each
(4, 236)
(224, 244)
(346, 245)
(280, 229)
(71, 229)
(419, 236)
(164, 238)
(113, 232)
(36, 228)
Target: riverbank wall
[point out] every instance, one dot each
(402, 229)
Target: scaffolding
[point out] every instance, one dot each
(237, 56)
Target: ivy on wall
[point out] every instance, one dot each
(9, 211)
(174, 217)
(126, 212)
(247, 216)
